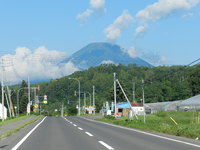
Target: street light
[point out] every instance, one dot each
(79, 95)
(18, 97)
(90, 97)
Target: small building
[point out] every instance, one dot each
(124, 108)
(1, 112)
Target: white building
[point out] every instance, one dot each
(1, 112)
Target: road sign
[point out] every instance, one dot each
(36, 105)
(45, 101)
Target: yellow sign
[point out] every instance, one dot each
(34, 110)
(45, 102)
(36, 105)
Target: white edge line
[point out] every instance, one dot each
(143, 132)
(106, 145)
(88, 133)
(25, 137)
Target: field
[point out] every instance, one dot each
(185, 124)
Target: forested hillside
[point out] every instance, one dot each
(161, 84)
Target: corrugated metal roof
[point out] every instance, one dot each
(193, 101)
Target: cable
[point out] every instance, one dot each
(193, 62)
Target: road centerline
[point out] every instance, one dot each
(106, 145)
(88, 133)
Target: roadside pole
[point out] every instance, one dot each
(115, 95)
(94, 99)
(143, 101)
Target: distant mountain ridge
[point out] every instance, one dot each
(95, 54)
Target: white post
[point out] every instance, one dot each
(29, 94)
(94, 98)
(115, 95)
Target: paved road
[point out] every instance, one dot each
(75, 133)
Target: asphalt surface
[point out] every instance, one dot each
(76, 133)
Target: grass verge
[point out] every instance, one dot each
(11, 120)
(10, 132)
(187, 123)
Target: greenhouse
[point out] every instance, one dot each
(192, 103)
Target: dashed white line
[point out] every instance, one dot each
(106, 145)
(24, 138)
(75, 125)
(80, 128)
(146, 133)
(88, 133)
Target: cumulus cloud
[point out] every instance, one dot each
(114, 30)
(141, 29)
(107, 62)
(95, 7)
(155, 58)
(163, 8)
(97, 4)
(132, 52)
(39, 65)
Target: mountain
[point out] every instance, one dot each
(96, 54)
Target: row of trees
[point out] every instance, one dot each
(162, 83)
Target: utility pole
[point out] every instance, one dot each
(143, 101)
(133, 92)
(115, 95)
(94, 98)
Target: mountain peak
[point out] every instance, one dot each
(95, 54)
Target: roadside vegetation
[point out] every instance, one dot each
(188, 123)
(17, 128)
(12, 120)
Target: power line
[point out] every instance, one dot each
(194, 62)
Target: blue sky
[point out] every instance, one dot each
(169, 35)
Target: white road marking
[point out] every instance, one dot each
(88, 133)
(146, 133)
(24, 138)
(106, 145)
(80, 128)
(75, 125)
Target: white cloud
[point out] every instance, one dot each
(141, 29)
(107, 62)
(114, 30)
(163, 8)
(97, 4)
(155, 58)
(95, 7)
(85, 14)
(188, 15)
(40, 64)
(163, 60)
(132, 52)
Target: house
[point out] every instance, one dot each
(124, 108)
(1, 112)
